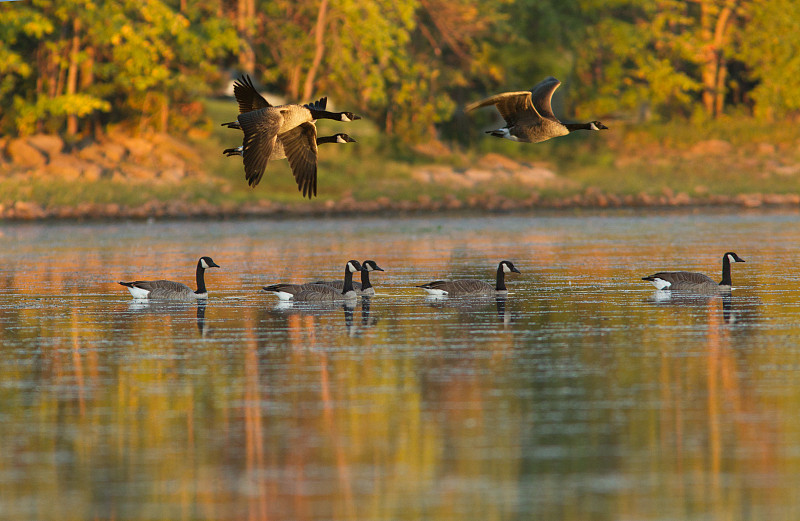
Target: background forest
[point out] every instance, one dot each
(677, 70)
(73, 66)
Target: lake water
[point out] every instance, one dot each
(585, 395)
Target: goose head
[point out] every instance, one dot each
(508, 267)
(354, 266)
(348, 116)
(207, 262)
(732, 257)
(371, 265)
(344, 138)
(596, 125)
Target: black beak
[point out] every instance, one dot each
(515, 270)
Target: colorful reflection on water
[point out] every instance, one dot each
(583, 395)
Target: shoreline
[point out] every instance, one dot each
(485, 203)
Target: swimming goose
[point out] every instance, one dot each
(529, 116)
(279, 153)
(312, 292)
(292, 125)
(464, 287)
(169, 290)
(696, 282)
(364, 288)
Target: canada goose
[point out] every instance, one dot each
(463, 287)
(250, 99)
(696, 282)
(364, 288)
(278, 152)
(312, 292)
(292, 125)
(169, 290)
(529, 116)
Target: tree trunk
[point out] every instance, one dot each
(319, 51)
(72, 74)
(715, 35)
(245, 16)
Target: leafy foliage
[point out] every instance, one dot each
(75, 66)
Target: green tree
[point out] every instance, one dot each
(128, 59)
(770, 50)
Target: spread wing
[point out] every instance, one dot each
(511, 105)
(300, 145)
(247, 96)
(542, 94)
(260, 129)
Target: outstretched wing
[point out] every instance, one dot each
(300, 145)
(260, 129)
(541, 96)
(511, 105)
(247, 96)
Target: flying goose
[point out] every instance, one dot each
(169, 290)
(312, 292)
(264, 126)
(463, 287)
(279, 153)
(696, 282)
(249, 99)
(529, 116)
(364, 288)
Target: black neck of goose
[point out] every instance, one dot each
(726, 271)
(201, 281)
(501, 279)
(572, 127)
(326, 139)
(348, 280)
(365, 283)
(324, 114)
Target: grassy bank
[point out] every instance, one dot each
(629, 163)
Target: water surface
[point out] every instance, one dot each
(584, 395)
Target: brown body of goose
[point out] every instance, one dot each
(529, 116)
(466, 287)
(313, 292)
(695, 282)
(170, 290)
(364, 288)
(264, 125)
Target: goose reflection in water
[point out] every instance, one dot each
(178, 309)
(472, 305)
(735, 310)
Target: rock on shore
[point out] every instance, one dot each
(154, 158)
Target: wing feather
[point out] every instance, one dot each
(300, 145)
(247, 96)
(542, 95)
(260, 129)
(511, 105)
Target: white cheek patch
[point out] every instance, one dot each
(731, 259)
(437, 292)
(592, 126)
(340, 139)
(203, 264)
(351, 267)
(660, 283)
(506, 269)
(345, 118)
